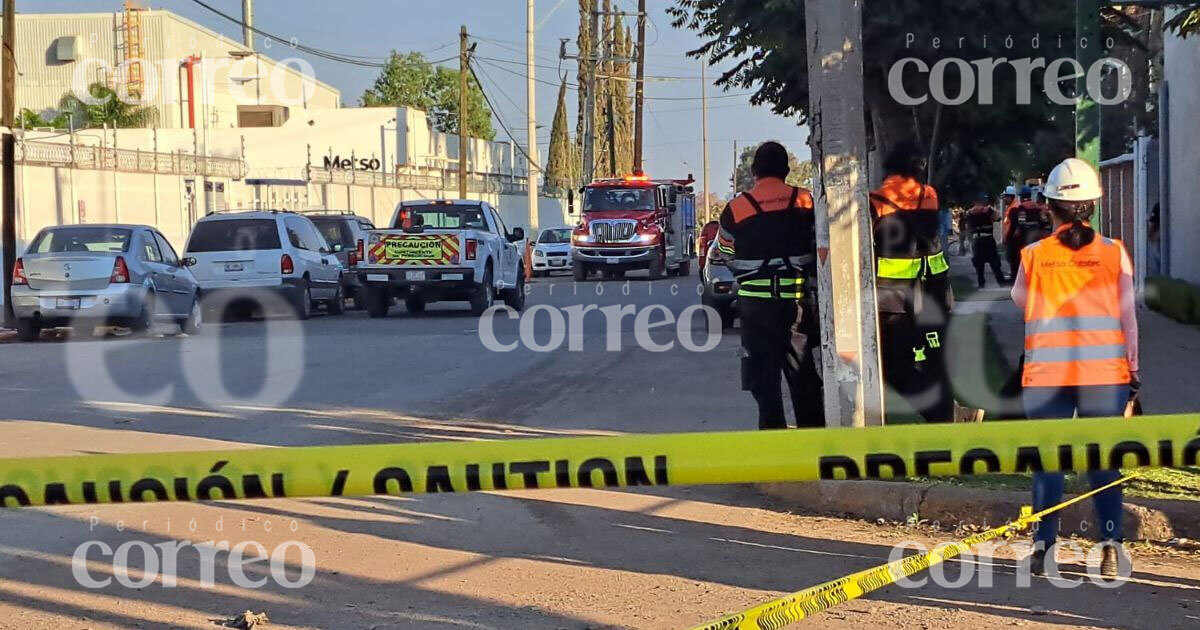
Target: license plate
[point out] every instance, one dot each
(415, 275)
(377, 277)
(613, 261)
(229, 267)
(452, 276)
(72, 304)
(556, 263)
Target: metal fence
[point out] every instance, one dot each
(448, 180)
(128, 160)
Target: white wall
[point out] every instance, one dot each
(1182, 227)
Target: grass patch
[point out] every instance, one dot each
(1159, 483)
(1176, 299)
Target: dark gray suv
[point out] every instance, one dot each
(346, 229)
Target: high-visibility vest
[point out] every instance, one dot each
(908, 242)
(769, 233)
(1073, 334)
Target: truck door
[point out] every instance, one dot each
(506, 272)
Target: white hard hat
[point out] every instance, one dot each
(1073, 180)
(1011, 191)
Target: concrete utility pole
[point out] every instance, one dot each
(704, 133)
(846, 282)
(639, 95)
(248, 23)
(1088, 49)
(531, 107)
(8, 85)
(463, 151)
(589, 123)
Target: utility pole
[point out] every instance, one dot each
(531, 107)
(612, 134)
(704, 131)
(1088, 50)
(589, 123)
(639, 96)
(248, 23)
(463, 151)
(846, 274)
(733, 174)
(8, 85)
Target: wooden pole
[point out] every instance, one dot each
(531, 123)
(463, 151)
(8, 67)
(704, 133)
(846, 282)
(639, 95)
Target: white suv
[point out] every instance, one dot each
(239, 255)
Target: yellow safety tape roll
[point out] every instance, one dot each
(632, 460)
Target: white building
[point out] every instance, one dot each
(1180, 221)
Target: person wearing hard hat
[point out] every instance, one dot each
(980, 227)
(1081, 342)
(1027, 222)
(913, 284)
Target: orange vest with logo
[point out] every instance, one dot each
(1073, 334)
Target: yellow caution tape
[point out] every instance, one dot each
(630, 460)
(789, 609)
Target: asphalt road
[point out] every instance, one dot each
(551, 559)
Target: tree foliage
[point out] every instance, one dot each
(1186, 22)
(972, 146)
(613, 102)
(409, 80)
(106, 109)
(29, 119)
(560, 161)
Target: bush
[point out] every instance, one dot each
(1174, 298)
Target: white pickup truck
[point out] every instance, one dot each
(442, 250)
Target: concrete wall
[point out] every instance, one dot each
(1182, 222)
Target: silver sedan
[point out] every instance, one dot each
(85, 276)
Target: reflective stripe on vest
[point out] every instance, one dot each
(772, 288)
(740, 265)
(910, 268)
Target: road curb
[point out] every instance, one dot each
(949, 505)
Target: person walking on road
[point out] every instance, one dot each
(1081, 341)
(1027, 222)
(769, 234)
(979, 225)
(913, 286)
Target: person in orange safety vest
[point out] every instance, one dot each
(1081, 342)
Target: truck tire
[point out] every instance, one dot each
(484, 295)
(580, 271)
(376, 301)
(515, 297)
(657, 271)
(685, 267)
(337, 305)
(414, 304)
(302, 301)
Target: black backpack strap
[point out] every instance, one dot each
(795, 196)
(753, 203)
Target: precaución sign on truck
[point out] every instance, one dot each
(432, 248)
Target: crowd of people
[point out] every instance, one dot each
(1073, 285)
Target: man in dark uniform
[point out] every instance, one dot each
(979, 226)
(1028, 222)
(769, 235)
(912, 285)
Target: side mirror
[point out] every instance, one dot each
(189, 262)
(570, 201)
(339, 248)
(518, 234)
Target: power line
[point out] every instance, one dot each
(503, 126)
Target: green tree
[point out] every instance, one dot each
(409, 80)
(800, 174)
(29, 119)
(1186, 22)
(973, 146)
(560, 169)
(106, 108)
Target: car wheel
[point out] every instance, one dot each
(195, 319)
(414, 304)
(685, 267)
(580, 271)
(337, 305)
(376, 301)
(302, 307)
(657, 271)
(145, 319)
(28, 330)
(485, 294)
(515, 297)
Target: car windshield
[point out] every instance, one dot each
(224, 235)
(446, 217)
(559, 235)
(82, 239)
(604, 198)
(335, 231)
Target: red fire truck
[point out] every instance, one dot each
(635, 222)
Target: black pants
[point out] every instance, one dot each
(779, 338)
(984, 253)
(1013, 250)
(913, 316)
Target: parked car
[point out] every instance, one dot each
(85, 276)
(719, 287)
(552, 251)
(443, 250)
(345, 229)
(240, 255)
(708, 234)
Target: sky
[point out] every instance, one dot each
(372, 28)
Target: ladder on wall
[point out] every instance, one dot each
(132, 49)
